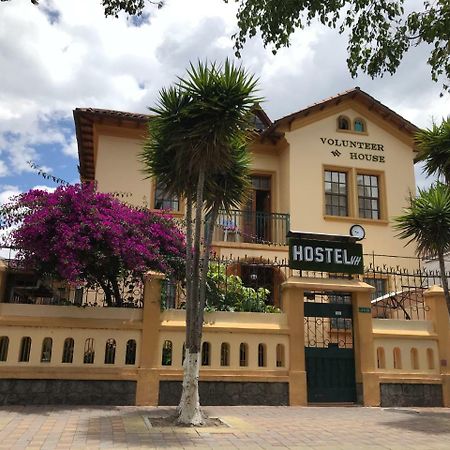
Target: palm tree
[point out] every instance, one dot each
(426, 221)
(197, 149)
(434, 149)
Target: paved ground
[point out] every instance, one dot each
(248, 428)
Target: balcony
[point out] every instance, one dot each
(251, 227)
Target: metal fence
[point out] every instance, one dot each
(23, 285)
(240, 284)
(251, 227)
(398, 292)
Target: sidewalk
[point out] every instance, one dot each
(336, 428)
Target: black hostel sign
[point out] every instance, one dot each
(325, 256)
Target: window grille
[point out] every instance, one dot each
(343, 123)
(4, 345)
(167, 353)
(359, 126)
(130, 354)
(67, 356)
(368, 196)
(243, 355)
(225, 354)
(206, 354)
(110, 351)
(25, 349)
(336, 193)
(261, 355)
(89, 352)
(46, 353)
(163, 200)
(280, 355)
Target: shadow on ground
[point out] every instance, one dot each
(421, 421)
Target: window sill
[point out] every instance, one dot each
(351, 219)
(358, 133)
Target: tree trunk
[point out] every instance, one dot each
(190, 411)
(116, 291)
(108, 293)
(189, 408)
(209, 230)
(444, 278)
(186, 380)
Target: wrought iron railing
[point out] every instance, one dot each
(251, 227)
(23, 285)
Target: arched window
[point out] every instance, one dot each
(4, 344)
(397, 358)
(381, 358)
(343, 123)
(130, 353)
(110, 351)
(89, 351)
(414, 359)
(262, 355)
(280, 355)
(430, 358)
(225, 354)
(166, 359)
(206, 354)
(67, 356)
(243, 355)
(46, 353)
(25, 349)
(359, 125)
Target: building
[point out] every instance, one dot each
(343, 161)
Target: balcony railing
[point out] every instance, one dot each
(251, 227)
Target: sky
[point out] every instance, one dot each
(65, 54)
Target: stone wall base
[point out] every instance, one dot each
(67, 392)
(405, 394)
(228, 393)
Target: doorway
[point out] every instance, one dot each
(257, 211)
(329, 353)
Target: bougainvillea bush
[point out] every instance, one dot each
(85, 237)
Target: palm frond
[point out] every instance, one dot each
(426, 221)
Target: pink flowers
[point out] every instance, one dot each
(80, 235)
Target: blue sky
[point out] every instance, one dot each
(61, 55)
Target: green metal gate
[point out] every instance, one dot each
(330, 359)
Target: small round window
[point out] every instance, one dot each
(359, 126)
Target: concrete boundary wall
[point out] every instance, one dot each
(253, 356)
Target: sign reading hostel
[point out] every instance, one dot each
(325, 255)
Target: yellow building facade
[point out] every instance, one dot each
(343, 161)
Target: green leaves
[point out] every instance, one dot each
(427, 221)
(203, 123)
(379, 32)
(434, 149)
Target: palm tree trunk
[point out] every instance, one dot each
(189, 411)
(188, 297)
(444, 278)
(209, 230)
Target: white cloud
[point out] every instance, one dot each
(3, 169)
(42, 187)
(7, 192)
(70, 148)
